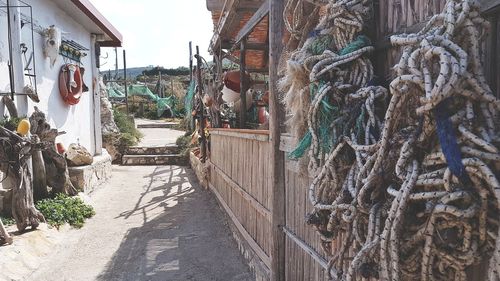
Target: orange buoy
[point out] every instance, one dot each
(70, 84)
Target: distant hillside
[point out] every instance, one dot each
(132, 73)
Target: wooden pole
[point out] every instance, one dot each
(203, 141)
(276, 119)
(190, 60)
(125, 78)
(192, 125)
(160, 88)
(243, 84)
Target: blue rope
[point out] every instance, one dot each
(448, 141)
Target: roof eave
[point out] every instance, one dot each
(110, 31)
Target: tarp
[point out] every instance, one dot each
(115, 91)
(162, 104)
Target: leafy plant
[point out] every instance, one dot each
(7, 220)
(129, 133)
(185, 144)
(11, 123)
(64, 209)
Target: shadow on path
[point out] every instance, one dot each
(188, 240)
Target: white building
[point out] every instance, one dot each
(80, 23)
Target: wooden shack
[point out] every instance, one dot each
(257, 185)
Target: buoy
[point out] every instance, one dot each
(24, 127)
(60, 148)
(70, 84)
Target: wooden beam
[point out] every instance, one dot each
(310, 251)
(227, 17)
(262, 12)
(255, 135)
(249, 46)
(258, 70)
(244, 233)
(226, 55)
(276, 120)
(243, 84)
(218, 5)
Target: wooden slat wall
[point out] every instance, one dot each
(240, 174)
(300, 265)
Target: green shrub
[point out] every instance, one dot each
(7, 220)
(184, 143)
(64, 209)
(130, 136)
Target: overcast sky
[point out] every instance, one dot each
(157, 32)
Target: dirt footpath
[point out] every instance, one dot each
(152, 223)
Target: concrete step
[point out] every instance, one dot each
(157, 126)
(159, 150)
(165, 159)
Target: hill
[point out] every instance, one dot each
(134, 72)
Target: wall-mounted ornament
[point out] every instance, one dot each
(70, 84)
(72, 50)
(52, 44)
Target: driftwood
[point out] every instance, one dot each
(11, 107)
(4, 235)
(15, 152)
(56, 167)
(40, 190)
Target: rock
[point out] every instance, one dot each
(78, 155)
(110, 132)
(107, 121)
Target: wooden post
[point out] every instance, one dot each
(277, 157)
(192, 125)
(203, 141)
(160, 88)
(125, 79)
(243, 84)
(190, 60)
(116, 64)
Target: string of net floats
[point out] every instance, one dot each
(408, 181)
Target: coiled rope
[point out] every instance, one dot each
(410, 186)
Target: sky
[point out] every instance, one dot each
(157, 32)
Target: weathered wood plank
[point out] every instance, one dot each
(306, 248)
(243, 193)
(251, 242)
(258, 135)
(276, 119)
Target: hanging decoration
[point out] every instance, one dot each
(70, 84)
(52, 43)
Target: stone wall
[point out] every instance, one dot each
(88, 178)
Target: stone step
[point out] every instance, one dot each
(159, 150)
(165, 159)
(157, 126)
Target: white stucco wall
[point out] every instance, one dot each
(76, 120)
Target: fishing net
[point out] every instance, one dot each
(188, 100)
